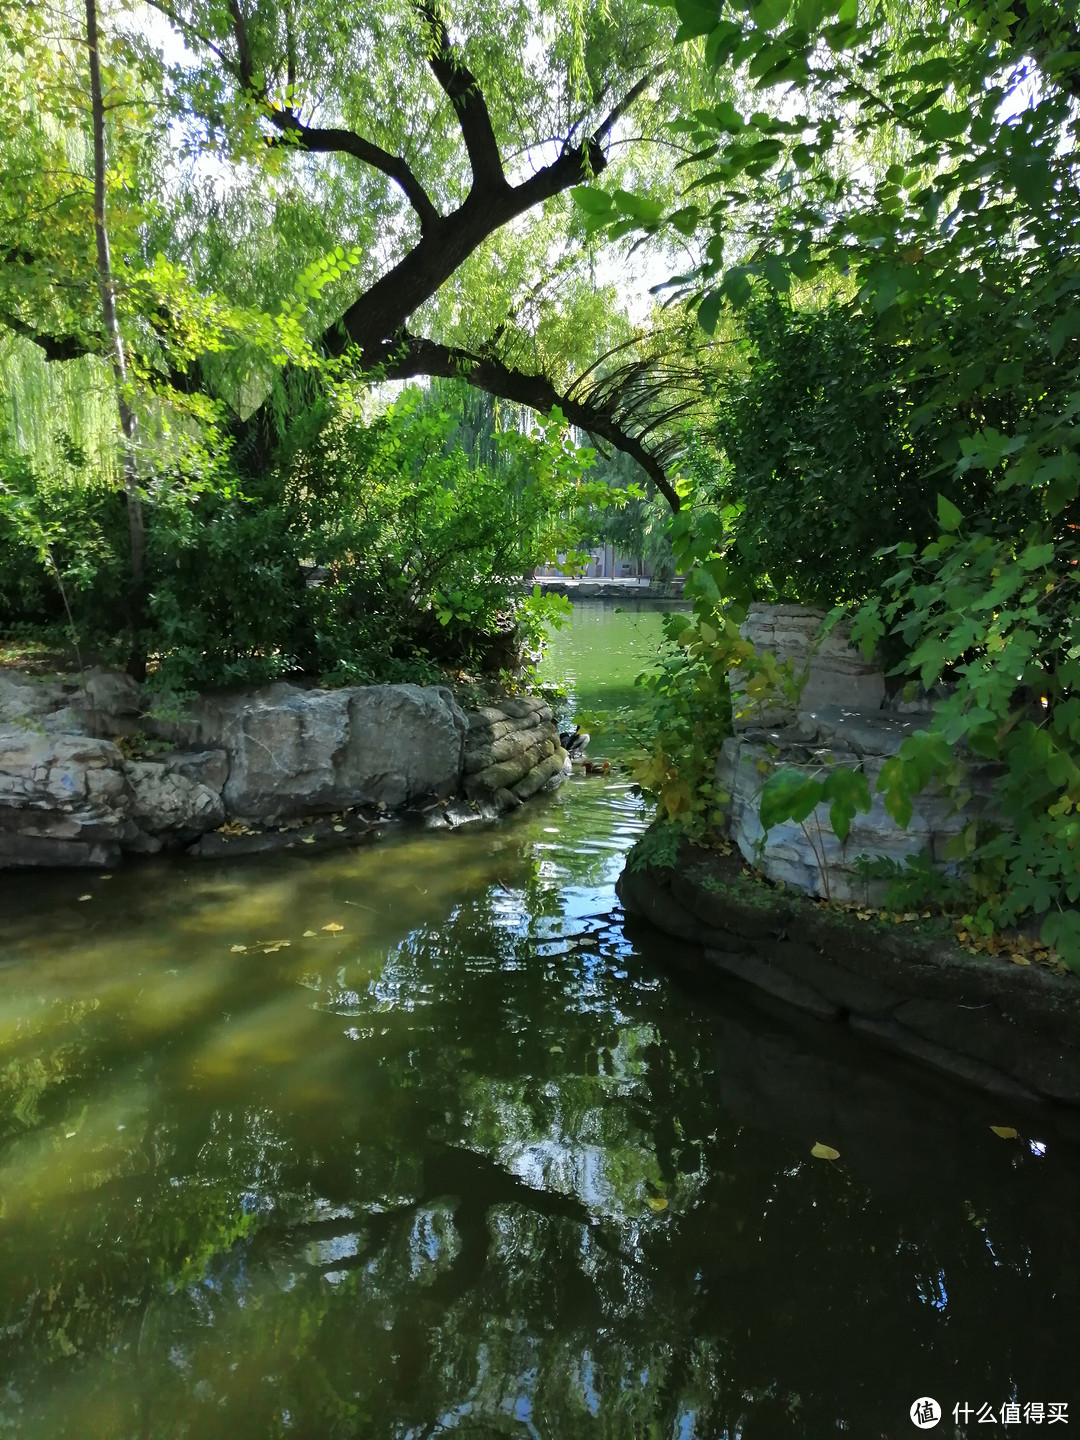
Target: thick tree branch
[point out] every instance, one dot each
(616, 113)
(463, 92)
(317, 140)
(418, 356)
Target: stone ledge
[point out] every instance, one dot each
(268, 756)
(1004, 1028)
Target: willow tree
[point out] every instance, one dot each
(393, 179)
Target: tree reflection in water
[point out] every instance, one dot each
(485, 1164)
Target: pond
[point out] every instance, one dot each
(421, 1139)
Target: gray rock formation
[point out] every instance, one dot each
(166, 801)
(839, 720)
(68, 796)
(512, 752)
(296, 752)
(838, 673)
(64, 799)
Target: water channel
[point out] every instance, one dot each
(421, 1139)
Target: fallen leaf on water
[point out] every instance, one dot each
(86, 897)
(237, 949)
(824, 1152)
(310, 934)
(340, 829)
(1006, 1132)
(656, 1202)
(308, 840)
(333, 927)
(104, 877)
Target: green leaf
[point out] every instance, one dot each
(788, 795)
(767, 14)
(1061, 928)
(848, 791)
(736, 285)
(709, 311)
(696, 17)
(591, 200)
(949, 517)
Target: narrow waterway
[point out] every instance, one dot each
(420, 1140)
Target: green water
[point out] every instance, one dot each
(485, 1161)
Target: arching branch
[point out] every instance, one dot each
(417, 356)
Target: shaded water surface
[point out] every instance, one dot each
(483, 1161)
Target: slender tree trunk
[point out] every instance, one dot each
(114, 345)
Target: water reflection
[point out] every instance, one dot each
(482, 1162)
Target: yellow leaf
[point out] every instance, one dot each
(308, 840)
(824, 1152)
(86, 897)
(1005, 1131)
(333, 927)
(340, 829)
(237, 949)
(1020, 959)
(310, 934)
(656, 1202)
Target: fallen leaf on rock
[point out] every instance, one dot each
(1020, 960)
(308, 840)
(340, 829)
(1006, 1132)
(824, 1152)
(333, 927)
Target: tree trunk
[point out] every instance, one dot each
(114, 345)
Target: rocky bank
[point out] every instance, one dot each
(1009, 1029)
(91, 771)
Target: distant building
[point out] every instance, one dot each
(605, 563)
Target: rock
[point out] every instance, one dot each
(64, 800)
(773, 981)
(295, 752)
(540, 775)
(564, 771)
(506, 747)
(507, 773)
(165, 801)
(787, 854)
(838, 673)
(205, 767)
(109, 702)
(24, 698)
(962, 1067)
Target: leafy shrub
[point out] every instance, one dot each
(368, 552)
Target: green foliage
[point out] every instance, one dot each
(690, 695)
(657, 849)
(790, 794)
(371, 552)
(921, 167)
(820, 465)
